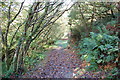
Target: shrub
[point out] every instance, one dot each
(99, 49)
(33, 58)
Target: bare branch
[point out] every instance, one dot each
(9, 9)
(31, 16)
(11, 42)
(1, 35)
(48, 22)
(17, 12)
(40, 22)
(36, 21)
(8, 25)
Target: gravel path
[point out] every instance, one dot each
(61, 63)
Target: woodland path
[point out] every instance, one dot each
(61, 63)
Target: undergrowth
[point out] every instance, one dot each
(100, 49)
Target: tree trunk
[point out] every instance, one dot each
(84, 21)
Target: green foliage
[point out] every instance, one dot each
(99, 49)
(101, 27)
(6, 73)
(92, 17)
(33, 58)
(114, 72)
(62, 43)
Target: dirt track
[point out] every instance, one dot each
(61, 63)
